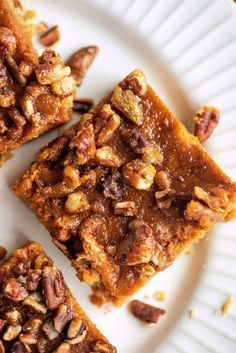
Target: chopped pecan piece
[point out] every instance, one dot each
(88, 179)
(152, 153)
(128, 103)
(82, 105)
(145, 312)
(136, 81)
(107, 157)
(82, 263)
(80, 61)
(97, 206)
(19, 347)
(76, 331)
(139, 174)
(84, 144)
(77, 202)
(12, 316)
(134, 139)
(196, 211)
(142, 247)
(14, 290)
(111, 123)
(49, 329)
(162, 180)
(206, 120)
(12, 332)
(13, 67)
(125, 208)
(34, 303)
(33, 278)
(99, 259)
(30, 331)
(49, 73)
(71, 176)
(114, 186)
(50, 37)
(164, 198)
(7, 39)
(53, 287)
(62, 317)
(215, 198)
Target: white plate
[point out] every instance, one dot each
(188, 50)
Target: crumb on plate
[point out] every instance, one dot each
(160, 295)
(225, 308)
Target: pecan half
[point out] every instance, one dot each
(80, 61)
(206, 120)
(145, 312)
(50, 37)
(53, 287)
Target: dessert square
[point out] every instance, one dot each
(36, 93)
(125, 190)
(37, 311)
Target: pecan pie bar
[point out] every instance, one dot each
(36, 93)
(38, 312)
(126, 189)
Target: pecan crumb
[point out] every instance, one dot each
(82, 105)
(160, 295)
(50, 37)
(193, 313)
(145, 312)
(81, 60)
(3, 252)
(225, 308)
(206, 120)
